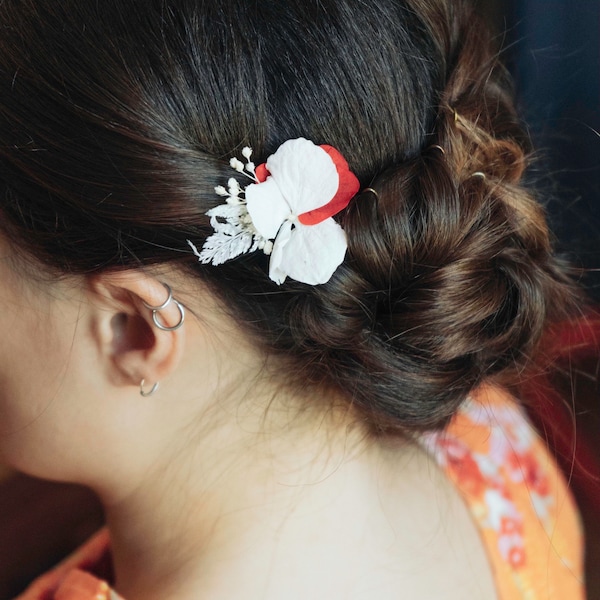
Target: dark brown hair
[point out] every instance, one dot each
(118, 118)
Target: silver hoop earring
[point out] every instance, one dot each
(149, 392)
(156, 309)
(166, 302)
(177, 325)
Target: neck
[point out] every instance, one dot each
(232, 522)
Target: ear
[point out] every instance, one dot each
(129, 341)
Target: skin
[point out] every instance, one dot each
(223, 484)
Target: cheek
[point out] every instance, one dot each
(34, 366)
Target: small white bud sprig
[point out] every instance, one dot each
(248, 169)
(235, 233)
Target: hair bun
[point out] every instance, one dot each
(458, 277)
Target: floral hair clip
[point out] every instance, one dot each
(287, 212)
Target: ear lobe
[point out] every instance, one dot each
(125, 326)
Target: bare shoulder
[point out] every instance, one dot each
(434, 548)
(417, 541)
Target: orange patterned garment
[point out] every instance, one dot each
(519, 500)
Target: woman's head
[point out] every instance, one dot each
(117, 121)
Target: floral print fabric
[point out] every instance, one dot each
(517, 497)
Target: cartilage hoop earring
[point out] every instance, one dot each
(151, 391)
(177, 325)
(156, 309)
(166, 302)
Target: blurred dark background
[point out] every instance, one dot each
(552, 48)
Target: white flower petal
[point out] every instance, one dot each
(308, 254)
(267, 207)
(276, 273)
(305, 173)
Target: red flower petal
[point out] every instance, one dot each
(348, 188)
(261, 172)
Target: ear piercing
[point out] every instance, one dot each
(160, 325)
(148, 393)
(156, 309)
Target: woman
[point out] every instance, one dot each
(257, 256)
